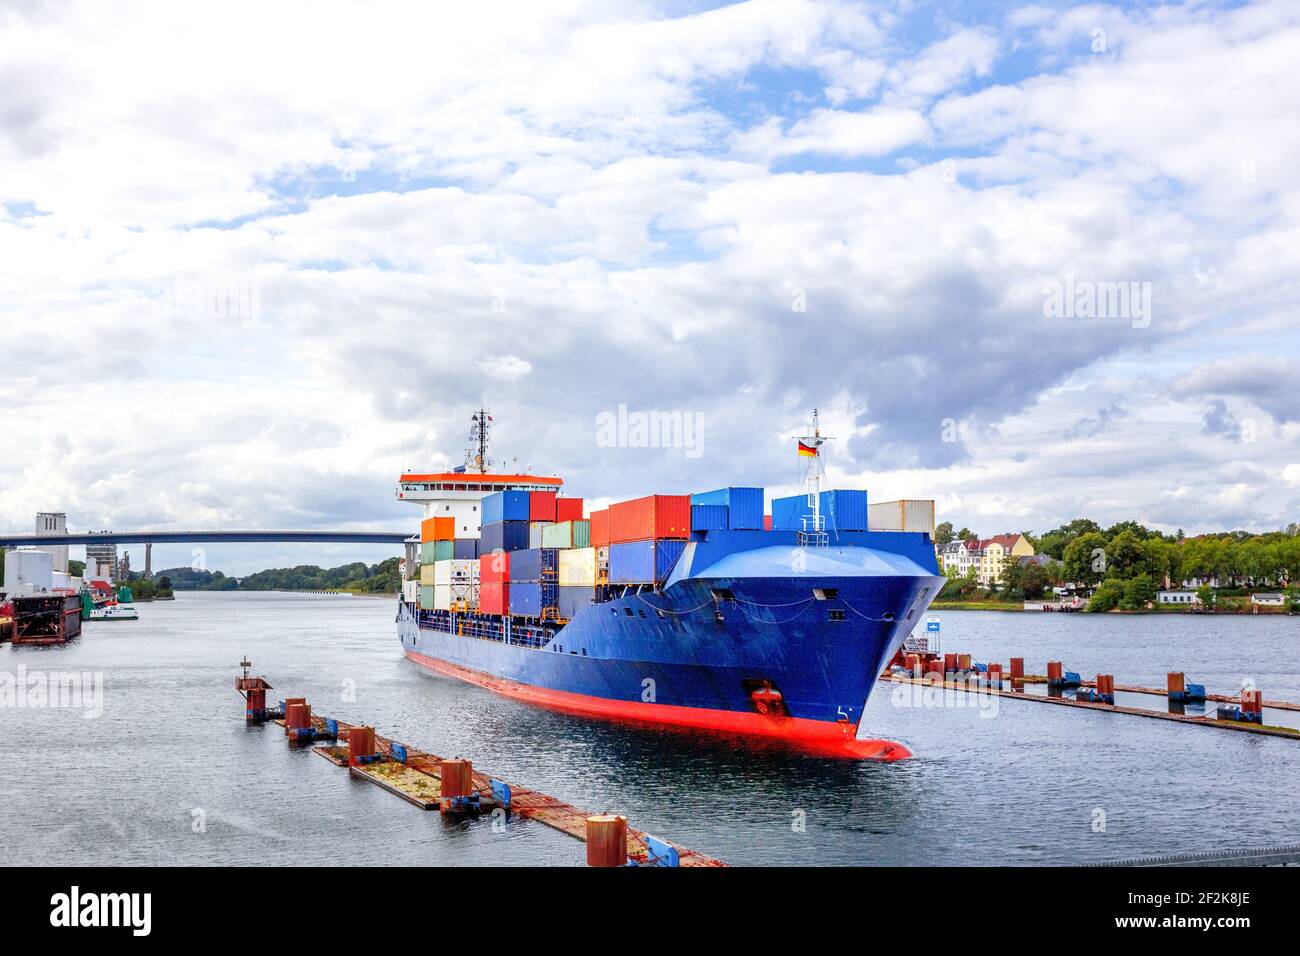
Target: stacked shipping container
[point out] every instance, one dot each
(506, 520)
(494, 583)
(744, 507)
(534, 581)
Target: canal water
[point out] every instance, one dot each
(168, 773)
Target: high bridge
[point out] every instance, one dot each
(150, 538)
(203, 537)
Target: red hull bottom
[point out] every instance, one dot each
(811, 736)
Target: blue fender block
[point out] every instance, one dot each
(661, 853)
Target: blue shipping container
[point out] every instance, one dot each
(788, 513)
(505, 506)
(643, 562)
(530, 563)
(709, 517)
(845, 510)
(465, 548)
(503, 536)
(528, 598)
(841, 511)
(744, 506)
(575, 599)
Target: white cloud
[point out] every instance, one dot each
(838, 133)
(561, 209)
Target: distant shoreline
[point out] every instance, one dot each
(1020, 609)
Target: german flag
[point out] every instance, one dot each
(807, 451)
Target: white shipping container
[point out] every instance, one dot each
(444, 595)
(411, 592)
(905, 515)
(451, 570)
(577, 567)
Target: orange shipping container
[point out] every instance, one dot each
(654, 516)
(437, 529)
(600, 528)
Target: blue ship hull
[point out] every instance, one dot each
(751, 633)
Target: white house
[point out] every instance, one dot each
(1186, 598)
(1268, 599)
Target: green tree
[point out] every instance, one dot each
(1107, 596)
(1035, 580)
(1138, 592)
(1124, 556)
(943, 534)
(1205, 594)
(1086, 559)
(1055, 542)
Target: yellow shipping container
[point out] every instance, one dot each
(426, 575)
(578, 568)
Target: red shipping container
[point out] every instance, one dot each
(493, 597)
(600, 528)
(494, 568)
(767, 522)
(568, 509)
(654, 516)
(541, 506)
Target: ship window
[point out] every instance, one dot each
(627, 611)
(836, 614)
(641, 612)
(826, 594)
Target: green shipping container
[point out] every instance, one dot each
(426, 598)
(444, 550)
(567, 534)
(426, 553)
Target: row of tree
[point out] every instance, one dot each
(1090, 554)
(382, 578)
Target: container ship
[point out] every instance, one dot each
(692, 610)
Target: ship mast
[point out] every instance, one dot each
(476, 456)
(810, 446)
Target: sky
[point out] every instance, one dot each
(1033, 261)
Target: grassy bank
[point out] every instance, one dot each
(976, 606)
